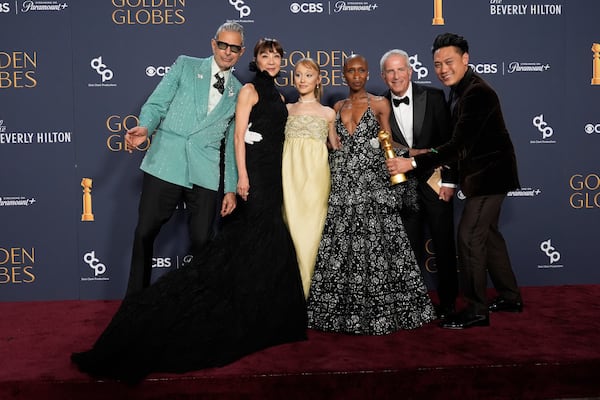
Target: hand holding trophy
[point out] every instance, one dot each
(388, 151)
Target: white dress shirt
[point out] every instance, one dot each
(404, 115)
(213, 94)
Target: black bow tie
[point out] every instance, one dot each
(404, 100)
(220, 83)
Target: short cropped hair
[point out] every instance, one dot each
(450, 39)
(393, 52)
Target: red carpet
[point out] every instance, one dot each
(550, 351)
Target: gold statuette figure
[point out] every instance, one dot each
(438, 19)
(386, 144)
(87, 215)
(596, 64)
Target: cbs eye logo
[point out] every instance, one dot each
(157, 71)
(306, 8)
(592, 128)
(161, 262)
(485, 68)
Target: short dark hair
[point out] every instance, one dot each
(268, 45)
(450, 39)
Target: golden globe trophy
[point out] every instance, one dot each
(438, 19)
(386, 144)
(596, 64)
(87, 215)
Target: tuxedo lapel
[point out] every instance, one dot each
(397, 134)
(419, 107)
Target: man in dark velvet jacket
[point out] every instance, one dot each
(487, 171)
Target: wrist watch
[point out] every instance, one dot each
(413, 163)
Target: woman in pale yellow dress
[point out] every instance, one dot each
(305, 170)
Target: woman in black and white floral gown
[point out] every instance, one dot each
(366, 278)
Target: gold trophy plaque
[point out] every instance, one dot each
(596, 64)
(87, 215)
(438, 19)
(386, 143)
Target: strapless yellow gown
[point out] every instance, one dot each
(306, 184)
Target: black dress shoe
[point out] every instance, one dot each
(464, 320)
(500, 304)
(443, 311)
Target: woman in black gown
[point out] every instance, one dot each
(242, 293)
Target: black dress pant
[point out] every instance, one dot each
(482, 250)
(438, 216)
(158, 201)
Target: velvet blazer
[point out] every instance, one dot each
(480, 141)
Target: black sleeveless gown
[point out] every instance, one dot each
(241, 294)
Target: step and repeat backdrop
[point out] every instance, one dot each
(74, 74)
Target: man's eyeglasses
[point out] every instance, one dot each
(234, 47)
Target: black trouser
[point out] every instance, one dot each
(157, 202)
(482, 250)
(439, 217)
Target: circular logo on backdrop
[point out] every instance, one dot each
(157, 71)
(591, 128)
(306, 8)
(150, 71)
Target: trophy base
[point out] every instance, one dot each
(596, 81)
(438, 21)
(398, 178)
(87, 217)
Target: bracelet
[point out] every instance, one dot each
(433, 150)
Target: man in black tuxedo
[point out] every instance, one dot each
(421, 120)
(487, 170)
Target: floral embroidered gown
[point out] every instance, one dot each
(366, 279)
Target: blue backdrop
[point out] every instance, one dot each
(74, 74)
